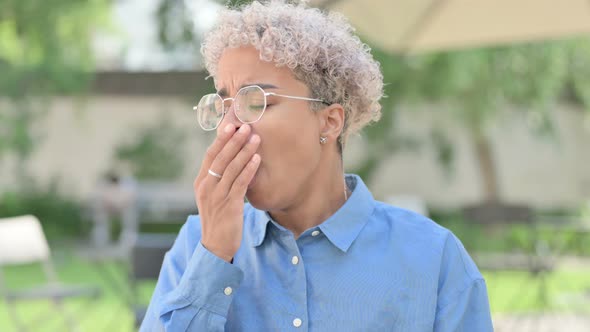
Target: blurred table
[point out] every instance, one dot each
(147, 256)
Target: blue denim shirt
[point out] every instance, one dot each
(369, 267)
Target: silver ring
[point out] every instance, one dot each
(214, 174)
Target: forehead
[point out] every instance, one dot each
(241, 66)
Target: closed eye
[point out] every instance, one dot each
(258, 107)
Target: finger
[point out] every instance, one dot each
(230, 150)
(214, 149)
(235, 167)
(240, 185)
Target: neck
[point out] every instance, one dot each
(323, 195)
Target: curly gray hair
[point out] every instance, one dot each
(319, 47)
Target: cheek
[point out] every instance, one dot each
(287, 146)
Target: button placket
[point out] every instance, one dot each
(298, 291)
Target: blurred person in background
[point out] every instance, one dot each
(115, 197)
(312, 250)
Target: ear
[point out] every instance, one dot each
(332, 122)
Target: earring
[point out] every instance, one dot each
(323, 140)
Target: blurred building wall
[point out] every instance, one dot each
(78, 138)
(547, 172)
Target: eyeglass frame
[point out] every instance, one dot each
(266, 94)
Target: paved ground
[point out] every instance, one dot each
(550, 322)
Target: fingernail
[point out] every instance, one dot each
(243, 129)
(254, 139)
(229, 128)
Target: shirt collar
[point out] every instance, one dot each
(258, 229)
(342, 228)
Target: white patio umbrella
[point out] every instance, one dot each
(415, 26)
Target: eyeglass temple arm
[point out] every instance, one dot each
(294, 97)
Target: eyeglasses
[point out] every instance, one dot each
(249, 106)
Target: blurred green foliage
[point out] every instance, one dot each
(477, 84)
(46, 44)
(235, 3)
(45, 49)
(175, 29)
(61, 215)
(515, 237)
(585, 211)
(156, 152)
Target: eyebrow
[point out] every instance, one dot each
(223, 92)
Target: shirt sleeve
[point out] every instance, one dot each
(463, 303)
(469, 312)
(195, 288)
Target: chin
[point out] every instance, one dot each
(258, 198)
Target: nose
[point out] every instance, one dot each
(229, 117)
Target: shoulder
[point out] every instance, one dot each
(408, 226)
(418, 235)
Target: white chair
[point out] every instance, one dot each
(22, 241)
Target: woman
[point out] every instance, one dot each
(312, 250)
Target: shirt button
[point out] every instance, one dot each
(295, 260)
(227, 291)
(296, 322)
(315, 233)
